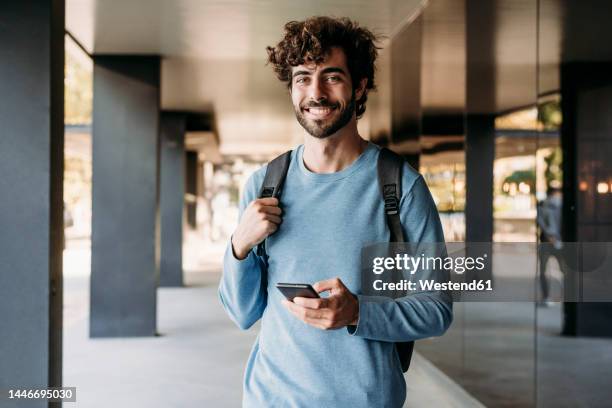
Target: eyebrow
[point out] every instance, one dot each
(327, 70)
(298, 73)
(332, 70)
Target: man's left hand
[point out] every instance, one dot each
(339, 309)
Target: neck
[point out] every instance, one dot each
(335, 152)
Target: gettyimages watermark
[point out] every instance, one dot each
(490, 272)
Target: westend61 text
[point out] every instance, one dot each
(431, 284)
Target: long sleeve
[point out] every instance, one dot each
(542, 219)
(549, 219)
(243, 288)
(414, 316)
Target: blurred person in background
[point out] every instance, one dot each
(549, 221)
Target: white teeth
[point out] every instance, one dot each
(320, 111)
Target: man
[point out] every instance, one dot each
(338, 350)
(549, 221)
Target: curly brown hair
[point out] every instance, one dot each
(311, 40)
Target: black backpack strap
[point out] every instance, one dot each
(390, 167)
(272, 186)
(390, 181)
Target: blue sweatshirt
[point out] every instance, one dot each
(327, 219)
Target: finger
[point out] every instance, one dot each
(293, 308)
(311, 303)
(323, 324)
(304, 313)
(268, 201)
(273, 218)
(314, 314)
(272, 210)
(271, 228)
(329, 284)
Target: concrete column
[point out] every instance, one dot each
(31, 194)
(479, 157)
(480, 106)
(480, 109)
(125, 197)
(191, 181)
(172, 193)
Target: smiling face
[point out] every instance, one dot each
(323, 96)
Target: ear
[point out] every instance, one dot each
(361, 88)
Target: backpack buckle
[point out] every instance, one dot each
(391, 201)
(267, 192)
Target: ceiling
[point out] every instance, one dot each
(213, 54)
(517, 45)
(214, 29)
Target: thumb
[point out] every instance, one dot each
(271, 201)
(332, 285)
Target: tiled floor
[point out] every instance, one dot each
(196, 361)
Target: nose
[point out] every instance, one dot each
(317, 91)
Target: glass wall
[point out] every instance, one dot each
(574, 340)
(490, 348)
(538, 102)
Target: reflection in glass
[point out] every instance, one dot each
(514, 177)
(445, 176)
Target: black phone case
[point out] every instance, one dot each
(297, 290)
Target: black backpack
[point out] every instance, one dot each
(390, 181)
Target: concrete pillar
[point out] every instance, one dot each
(172, 193)
(125, 197)
(479, 157)
(480, 109)
(31, 194)
(481, 106)
(191, 181)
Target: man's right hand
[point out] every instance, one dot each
(259, 220)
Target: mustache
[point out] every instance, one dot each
(320, 104)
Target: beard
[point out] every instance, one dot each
(322, 128)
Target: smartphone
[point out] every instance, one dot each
(291, 290)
